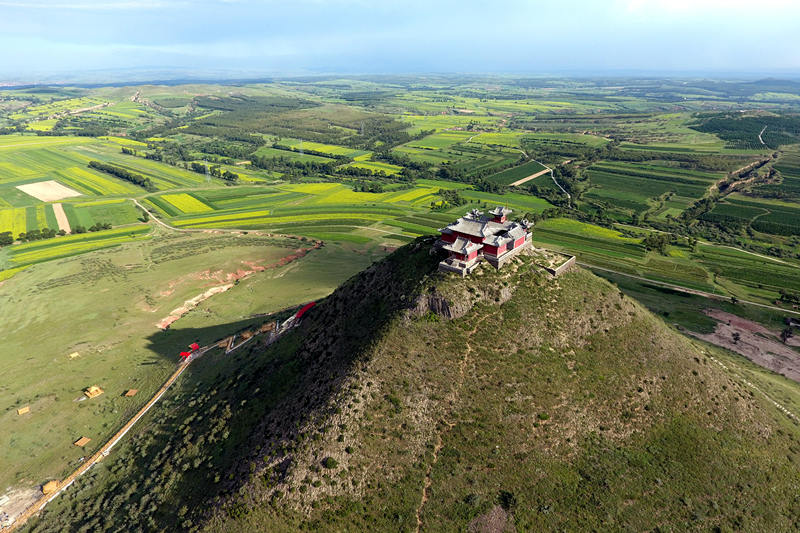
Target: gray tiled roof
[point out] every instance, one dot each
(462, 246)
(500, 211)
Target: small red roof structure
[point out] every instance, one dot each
(185, 354)
(194, 346)
(303, 310)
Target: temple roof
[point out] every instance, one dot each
(476, 228)
(500, 211)
(462, 246)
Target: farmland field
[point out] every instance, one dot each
(245, 177)
(507, 177)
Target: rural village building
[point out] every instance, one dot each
(475, 237)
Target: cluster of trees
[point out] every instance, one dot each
(450, 197)
(97, 227)
(358, 171)
(125, 174)
(214, 170)
(6, 238)
(789, 297)
(39, 234)
(290, 166)
(659, 242)
(368, 186)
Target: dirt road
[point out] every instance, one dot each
(531, 177)
(61, 218)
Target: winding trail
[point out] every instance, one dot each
(104, 450)
(760, 134)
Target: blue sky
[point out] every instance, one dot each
(362, 36)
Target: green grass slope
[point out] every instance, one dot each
(411, 399)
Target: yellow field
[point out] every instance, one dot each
(81, 176)
(41, 216)
(218, 218)
(413, 194)
(253, 217)
(186, 203)
(124, 141)
(311, 188)
(61, 250)
(5, 274)
(14, 220)
(42, 125)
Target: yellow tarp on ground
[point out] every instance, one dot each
(93, 391)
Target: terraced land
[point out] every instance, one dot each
(627, 188)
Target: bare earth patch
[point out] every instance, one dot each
(229, 278)
(529, 178)
(497, 520)
(61, 218)
(14, 503)
(755, 342)
(48, 191)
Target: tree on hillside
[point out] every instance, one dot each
(658, 242)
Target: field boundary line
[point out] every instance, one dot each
(688, 290)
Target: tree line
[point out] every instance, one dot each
(124, 174)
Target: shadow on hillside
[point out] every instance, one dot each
(256, 401)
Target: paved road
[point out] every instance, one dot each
(687, 290)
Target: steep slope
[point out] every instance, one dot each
(513, 399)
(412, 400)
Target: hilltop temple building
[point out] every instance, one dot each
(475, 237)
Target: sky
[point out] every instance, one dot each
(290, 37)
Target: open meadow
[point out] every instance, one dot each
(114, 298)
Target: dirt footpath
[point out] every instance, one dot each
(61, 218)
(529, 178)
(755, 342)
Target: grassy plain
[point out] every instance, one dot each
(113, 298)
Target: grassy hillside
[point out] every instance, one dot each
(410, 398)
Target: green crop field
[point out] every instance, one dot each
(631, 154)
(267, 151)
(323, 148)
(115, 212)
(49, 249)
(507, 177)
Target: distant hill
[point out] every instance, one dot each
(504, 401)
